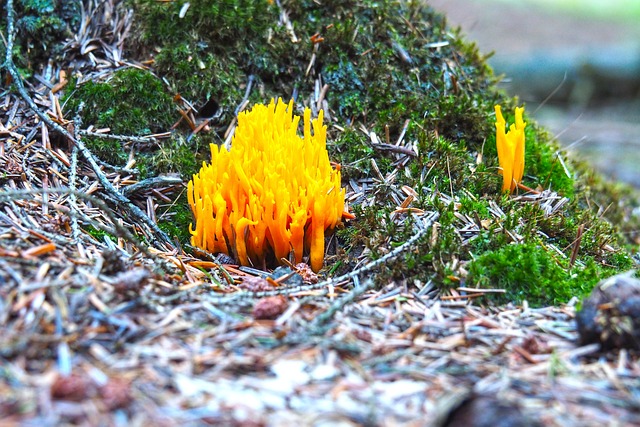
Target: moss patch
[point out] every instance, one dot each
(176, 218)
(41, 28)
(132, 102)
(533, 273)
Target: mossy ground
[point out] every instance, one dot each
(385, 62)
(132, 102)
(41, 29)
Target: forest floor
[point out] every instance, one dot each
(101, 332)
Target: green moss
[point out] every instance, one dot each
(354, 152)
(184, 66)
(132, 102)
(225, 43)
(175, 155)
(99, 234)
(533, 273)
(364, 43)
(470, 205)
(543, 166)
(449, 162)
(176, 219)
(41, 29)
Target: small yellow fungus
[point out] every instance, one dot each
(273, 193)
(511, 148)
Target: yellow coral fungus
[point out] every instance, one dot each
(511, 148)
(273, 193)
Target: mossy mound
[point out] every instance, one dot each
(390, 67)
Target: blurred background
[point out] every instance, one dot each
(576, 65)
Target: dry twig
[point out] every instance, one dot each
(136, 213)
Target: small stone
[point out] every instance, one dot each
(116, 393)
(610, 316)
(255, 284)
(74, 388)
(293, 279)
(308, 276)
(223, 258)
(536, 345)
(270, 307)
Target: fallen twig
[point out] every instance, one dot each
(238, 296)
(150, 183)
(118, 230)
(136, 213)
(319, 325)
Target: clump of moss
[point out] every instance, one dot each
(533, 273)
(176, 155)
(100, 234)
(175, 219)
(41, 27)
(226, 43)
(132, 102)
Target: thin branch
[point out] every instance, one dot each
(149, 183)
(124, 138)
(239, 296)
(73, 176)
(10, 34)
(118, 230)
(158, 236)
(117, 169)
(247, 92)
(395, 149)
(319, 325)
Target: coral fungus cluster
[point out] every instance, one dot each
(511, 148)
(273, 193)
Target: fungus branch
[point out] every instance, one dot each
(273, 193)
